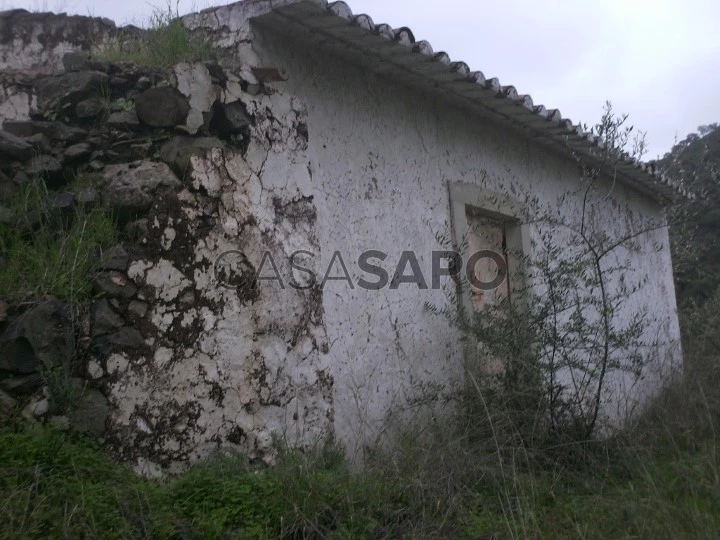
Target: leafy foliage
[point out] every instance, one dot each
(695, 232)
(53, 484)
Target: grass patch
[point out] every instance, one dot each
(649, 484)
(50, 251)
(56, 485)
(164, 42)
(53, 487)
(64, 390)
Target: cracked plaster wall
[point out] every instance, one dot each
(224, 367)
(217, 367)
(16, 98)
(382, 156)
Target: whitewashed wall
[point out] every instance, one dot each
(381, 157)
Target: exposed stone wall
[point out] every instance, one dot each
(225, 366)
(36, 42)
(33, 45)
(194, 161)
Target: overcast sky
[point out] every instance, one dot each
(658, 60)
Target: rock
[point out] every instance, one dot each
(21, 178)
(252, 84)
(137, 230)
(143, 83)
(18, 357)
(6, 215)
(3, 311)
(95, 371)
(77, 152)
(231, 119)
(130, 188)
(177, 151)
(134, 150)
(125, 337)
(21, 385)
(40, 142)
(63, 203)
(45, 331)
(217, 73)
(7, 406)
(70, 88)
(41, 407)
(114, 284)
(8, 188)
(90, 414)
(37, 407)
(195, 82)
(115, 258)
(120, 83)
(96, 165)
(74, 61)
(103, 319)
(269, 74)
(47, 167)
(90, 108)
(162, 107)
(87, 196)
(124, 120)
(61, 423)
(236, 117)
(100, 64)
(137, 309)
(14, 147)
(55, 131)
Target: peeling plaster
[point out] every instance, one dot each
(228, 368)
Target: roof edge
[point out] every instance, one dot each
(336, 19)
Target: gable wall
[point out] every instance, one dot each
(381, 157)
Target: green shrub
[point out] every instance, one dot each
(46, 251)
(164, 43)
(56, 485)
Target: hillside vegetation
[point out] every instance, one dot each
(696, 230)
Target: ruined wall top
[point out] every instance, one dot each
(36, 42)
